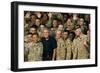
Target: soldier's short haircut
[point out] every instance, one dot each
(79, 28)
(35, 34)
(81, 19)
(53, 20)
(58, 31)
(33, 15)
(29, 33)
(56, 19)
(34, 26)
(46, 29)
(46, 15)
(66, 31)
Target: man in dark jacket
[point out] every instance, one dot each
(49, 44)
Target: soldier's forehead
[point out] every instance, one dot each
(58, 31)
(81, 19)
(45, 30)
(79, 29)
(35, 35)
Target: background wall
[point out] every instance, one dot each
(5, 28)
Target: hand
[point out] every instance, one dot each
(85, 44)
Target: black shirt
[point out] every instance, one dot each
(48, 46)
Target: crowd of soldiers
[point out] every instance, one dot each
(56, 36)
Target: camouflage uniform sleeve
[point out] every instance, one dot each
(40, 51)
(85, 38)
(74, 50)
(26, 52)
(26, 49)
(68, 50)
(85, 41)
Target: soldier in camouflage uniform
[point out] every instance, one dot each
(36, 49)
(27, 45)
(69, 45)
(54, 27)
(80, 50)
(88, 41)
(68, 49)
(60, 50)
(82, 25)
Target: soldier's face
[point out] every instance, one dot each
(33, 18)
(35, 38)
(55, 23)
(69, 22)
(29, 38)
(71, 36)
(37, 22)
(50, 14)
(42, 27)
(81, 22)
(45, 17)
(78, 32)
(32, 30)
(65, 35)
(60, 27)
(46, 33)
(58, 34)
